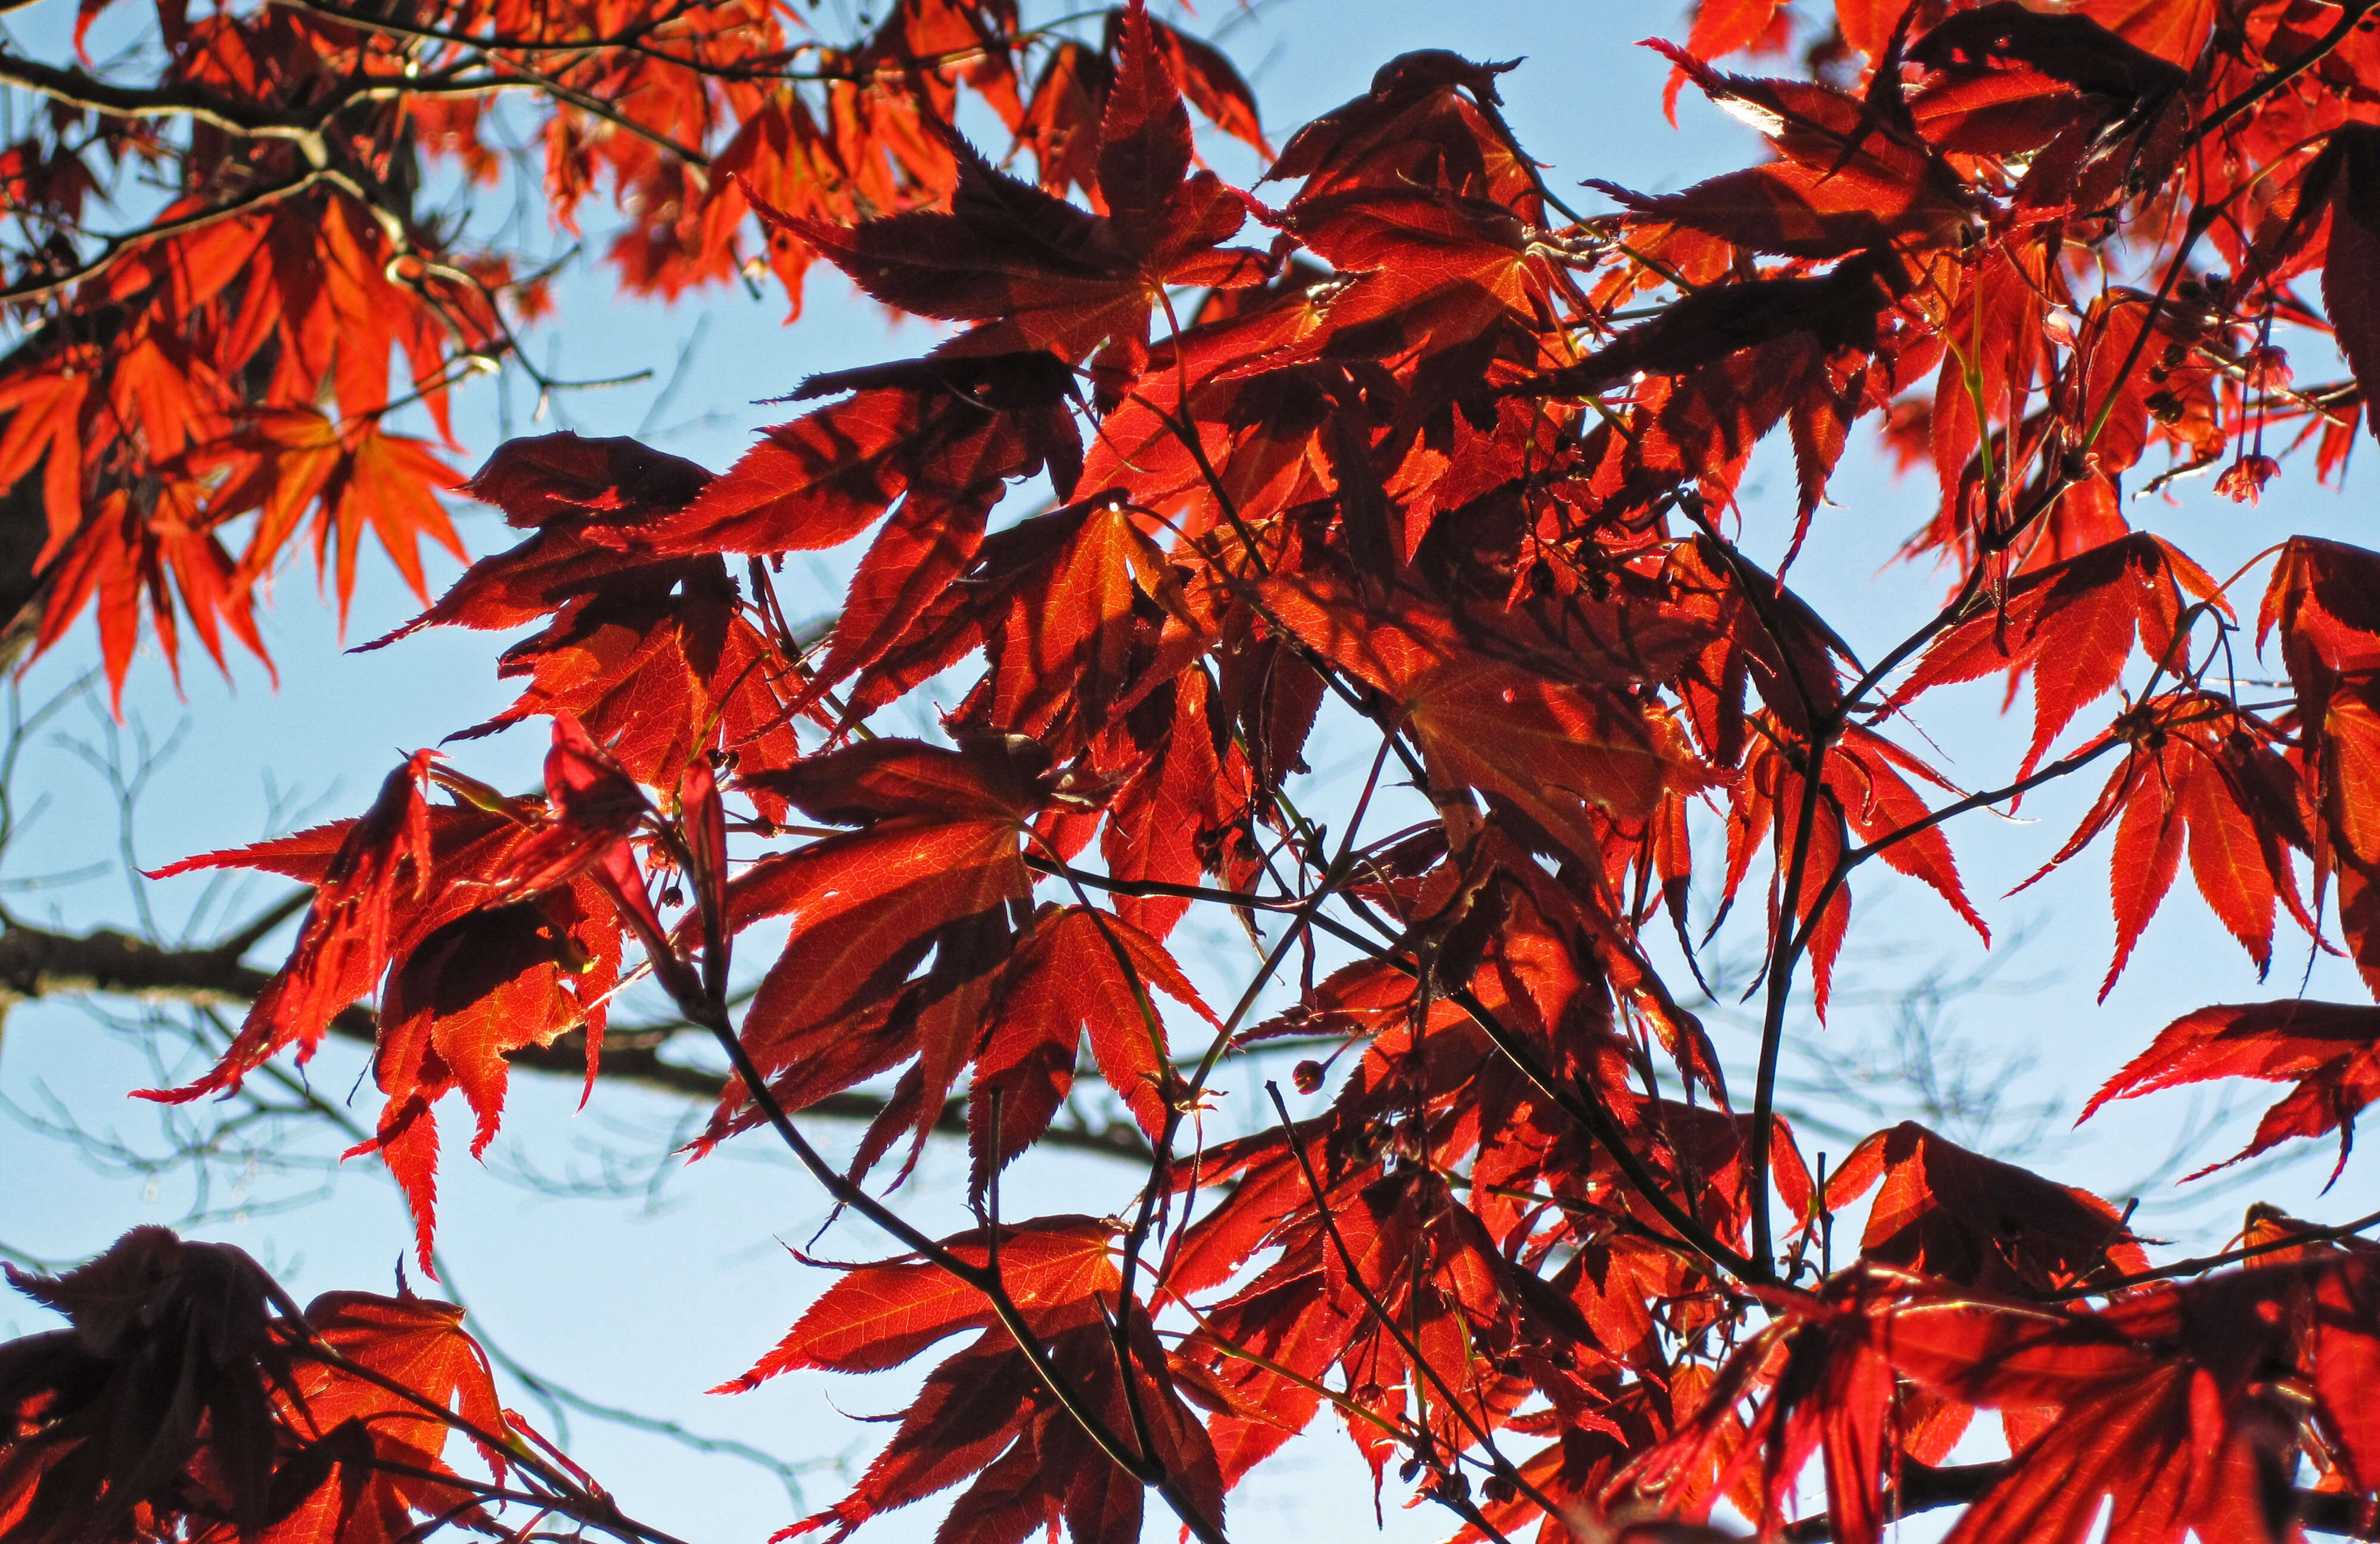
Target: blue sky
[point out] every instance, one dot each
(645, 1305)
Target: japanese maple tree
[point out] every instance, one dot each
(1396, 448)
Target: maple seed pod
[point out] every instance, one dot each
(1499, 1488)
(1307, 1076)
(1409, 1470)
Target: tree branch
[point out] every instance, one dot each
(2350, 16)
(36, 963)
(39, 286)
(76, 89)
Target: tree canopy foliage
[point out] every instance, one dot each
(1394, 446)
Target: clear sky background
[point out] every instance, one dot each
(644, 1300)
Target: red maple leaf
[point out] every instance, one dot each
(2330, 1050)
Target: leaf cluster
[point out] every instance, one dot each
(1396, 456)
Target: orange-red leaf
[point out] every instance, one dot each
(879, 1316)
(2331, 1050)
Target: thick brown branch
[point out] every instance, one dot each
(530, 75)
(77, 89)
(39, 285)
(35, 963)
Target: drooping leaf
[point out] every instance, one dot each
(879, 1316)
(2200, 769)
(1078, 971)
(2085, 614)
(2351, 264)
(933, 871)
(2331, 1050)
